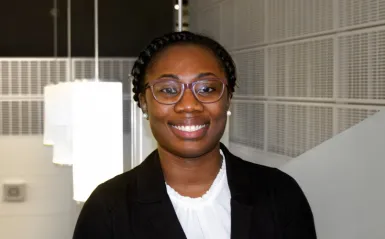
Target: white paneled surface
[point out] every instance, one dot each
(297, 18)
(301, 69)
(353, 13)
(22, 82)
(305, 60)
(251, 72)
(47, 211)
(362, 65)
(249, 22)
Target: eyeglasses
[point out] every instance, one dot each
(171, 91)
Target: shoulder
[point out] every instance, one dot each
(118, 188)
(272, 181)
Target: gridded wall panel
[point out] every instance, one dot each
(362, 65)
(29, 76)
(109, 70)
(209, 22)
(348, 117)
(249, 22)
(21, 117)
(276, 128)
(228, 24)
(250, 75)
(352, 13)
(247, 124)
(303, 69)
(320, 125)
(294, 129)
(294, 18)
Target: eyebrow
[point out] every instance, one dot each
(173, 76)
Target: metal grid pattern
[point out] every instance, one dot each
(349, 117)
(209, 22)
(21, 117)
(227, 24)
(326, 51)
(249, 22)
(247, 124)
(301, 69)
(22, 84)
(293, 129)
(294, 18)
(28, 77)
(362, 65)
(109, 70)
(250, 75)
(353, 13)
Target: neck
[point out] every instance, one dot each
(190, 176)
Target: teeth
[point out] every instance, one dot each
(189, 128)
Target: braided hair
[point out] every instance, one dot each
(178, 38)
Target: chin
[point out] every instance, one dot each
(189, 149)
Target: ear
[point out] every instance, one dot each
(229, 97)
(143, 102)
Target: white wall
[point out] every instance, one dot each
(48, 210)
(344, 181)
(258, 156)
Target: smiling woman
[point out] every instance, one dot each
(191, 186)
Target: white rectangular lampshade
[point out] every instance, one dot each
(97, 135)
(58, 118)
(87, 132)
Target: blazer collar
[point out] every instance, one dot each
(155, 205)
(151, 185)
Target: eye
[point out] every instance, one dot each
(205, 89)
(169, 91)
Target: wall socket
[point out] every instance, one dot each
(14, 192)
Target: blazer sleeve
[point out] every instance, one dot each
(293, 210)
(94, 220)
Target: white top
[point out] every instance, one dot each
(206, 217)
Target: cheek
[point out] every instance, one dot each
(157, 112)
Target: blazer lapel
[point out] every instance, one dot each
(241, 206)
(153, 215)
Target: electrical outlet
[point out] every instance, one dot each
(14, 192)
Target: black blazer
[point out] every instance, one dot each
(266, 204)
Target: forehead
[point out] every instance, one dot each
(184, 60)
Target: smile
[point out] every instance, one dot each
(189, 128)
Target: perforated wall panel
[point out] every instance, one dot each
(28, 77)
(295, 18)
(362, 65)
(247, 124)
(352, 13)
(23, 80)
(209, 22)
(250, 72)
(348, 117)
(249, 22)
(291, 54)
(21, 117)
(303, 69)
(294, 129)
(227, 24)
(109, 70)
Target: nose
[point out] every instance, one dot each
(188, 103)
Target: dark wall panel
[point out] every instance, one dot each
(125, 27)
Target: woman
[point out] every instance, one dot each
(192, 186)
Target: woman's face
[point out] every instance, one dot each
(169, 123)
